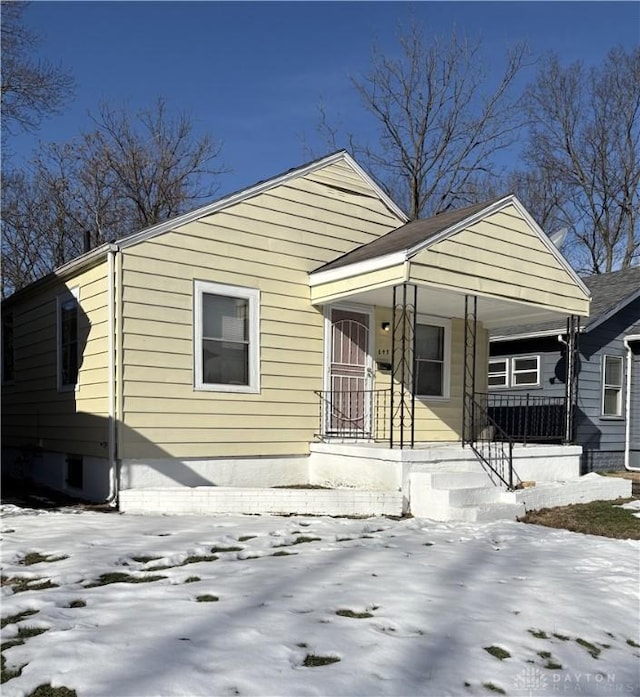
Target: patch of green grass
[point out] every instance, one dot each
(246, 538)
(197, 558)
(192, 579)
(143, 559)
(283, 553)
(493, 688)
(497, 652)
(604, 518)
(28, 632)
(302, 645)
(20, 584)
(538, 633)
(592, 649)
(354, 615)
(303, 538)
(344, 539)
(217, 550)
(551, 665)
(313, 661)
(46, 690)
(633, 643)
(77, 603)
(562, 637)
(207, 598)
(13, 619)
(37, 558)
(120, 577)
(7, 674)
(544, 654)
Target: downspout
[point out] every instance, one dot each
(112, 500)
(627, 427)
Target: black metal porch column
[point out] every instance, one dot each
(469, 371)
(403, 345)
(571, 382)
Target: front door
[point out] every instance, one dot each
(348, 411)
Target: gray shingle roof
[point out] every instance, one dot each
(609, 292)
(408, 235)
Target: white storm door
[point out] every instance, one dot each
(350, 375)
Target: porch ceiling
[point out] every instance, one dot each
(494, 313)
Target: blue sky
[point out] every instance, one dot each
(253, 74)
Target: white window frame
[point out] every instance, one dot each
(71, 293)
(446, 363)
(515, 372)
(504, 373)
(252, 295)
(606, 386)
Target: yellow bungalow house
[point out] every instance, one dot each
(299, 332)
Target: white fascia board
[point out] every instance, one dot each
(255, 190)
(85, 260)
(453, 229)
(616, 308)
(317, 278)
(530, 335)
(632, 337)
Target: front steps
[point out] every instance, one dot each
(464, 496)
(472, 497)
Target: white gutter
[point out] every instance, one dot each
(627, 430)
(111, 322)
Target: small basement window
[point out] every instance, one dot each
(75, 472)
(612, 369)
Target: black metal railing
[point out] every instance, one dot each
(491, 444)
(527, 418)
(355, 414)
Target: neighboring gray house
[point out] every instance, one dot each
(527, 376)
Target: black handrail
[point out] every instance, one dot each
(528, 418)
(491, 443)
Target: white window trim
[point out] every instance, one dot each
(514, 371)
(505, 373)
(446, 378)
(60, 299)
(604, 386)
(253, 296)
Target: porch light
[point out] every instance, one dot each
(385, 326)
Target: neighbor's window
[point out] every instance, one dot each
(612, 386)
(68, 340)
(499, 373)
(7, 347)
(226, 334)
(431, 360)
(525, 371)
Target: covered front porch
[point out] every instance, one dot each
(407, 321)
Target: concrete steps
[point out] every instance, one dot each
(463, 496)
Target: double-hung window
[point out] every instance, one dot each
(612, 368)
(432, 358)
(68, 345)
(519, 371)
(226, 338)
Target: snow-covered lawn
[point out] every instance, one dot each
(407, 607)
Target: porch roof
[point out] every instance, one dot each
(493, 250)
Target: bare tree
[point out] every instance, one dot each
(585, 150)
(31, 89)
(130, 172)
(439, 123)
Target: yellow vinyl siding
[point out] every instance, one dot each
(269, 242)
(343, 288)
(35, 413)
(487, 259)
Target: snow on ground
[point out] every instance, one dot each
(563, 606)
